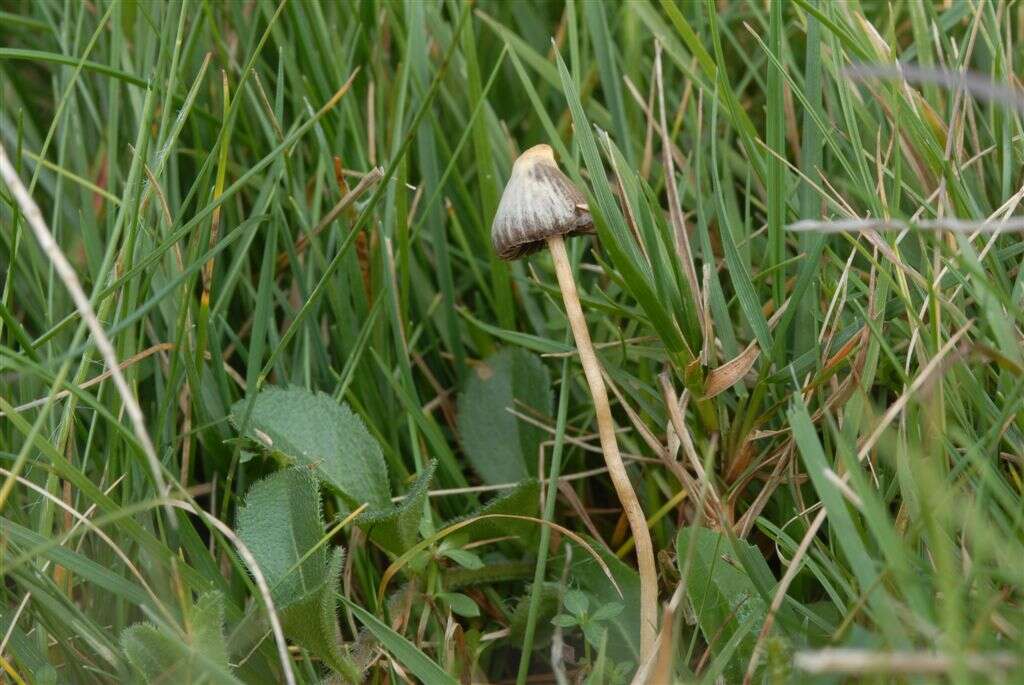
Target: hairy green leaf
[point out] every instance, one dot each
(521, 500)
(500, 446)
(397, 529)
(281, 524)
(311, 429)
(200, 655)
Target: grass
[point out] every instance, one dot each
(257, 195)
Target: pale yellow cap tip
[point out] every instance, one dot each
(537, 153)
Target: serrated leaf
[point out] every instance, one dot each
(501, 447)
(161, 655)
(724, 598)
(313, 430)
(282, 525)
(548, 608)
(520, 500)
(396, 528)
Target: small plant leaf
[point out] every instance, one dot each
(595, 633)
(464, 558)
(501, 447)
(576, 602)
(165, 656)
(722, 594)
(564, 621)
(607, 612)
(311, 429)
(521, 501)
(282, 525)
(623, 629)
(460, 604)
(396, 528)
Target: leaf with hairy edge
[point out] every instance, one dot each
(314, 431)
(280, 521)
(163, 656)
(313, 623)
(500, 446)
(282, 525)
(549, 605)
(311, 429)
(397, 529)
(521, 500)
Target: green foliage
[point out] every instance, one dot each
(592, 623)
(331, 442)
(281, 524)
(397, 528)
(518, 501)
(623, 626)
(411, 658)
(279, 212)
(501, 447)
(724, 598)
(546, 611)
(312, 430)
(200, 655)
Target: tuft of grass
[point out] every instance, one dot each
(262, 194)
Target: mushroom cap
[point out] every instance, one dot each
(539, 202)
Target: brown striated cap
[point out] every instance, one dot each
(539, 202)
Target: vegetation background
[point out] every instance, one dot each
(279, 215)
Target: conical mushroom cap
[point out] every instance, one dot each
(539, 202)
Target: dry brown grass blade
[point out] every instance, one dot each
(731, 372)
(707, 496)
(364, 184)
(134, 359)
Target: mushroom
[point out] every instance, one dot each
(541, 206)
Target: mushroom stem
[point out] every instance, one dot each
(610, 448)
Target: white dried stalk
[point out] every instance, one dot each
(1013, 224)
